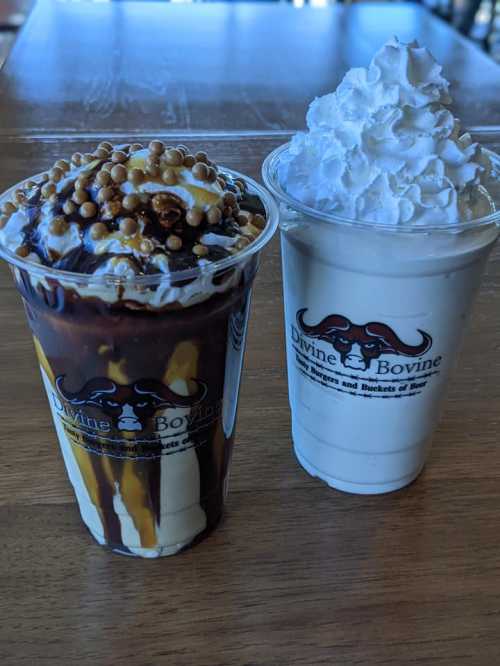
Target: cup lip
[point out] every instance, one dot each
(271, 180)
(155, 279)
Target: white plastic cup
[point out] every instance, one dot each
(374, 316)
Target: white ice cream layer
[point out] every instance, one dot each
(384, 148)
(59, 244)
(12, 236)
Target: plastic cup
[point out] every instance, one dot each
(374, 316)
(144, 400)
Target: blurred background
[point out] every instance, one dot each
(477, 20)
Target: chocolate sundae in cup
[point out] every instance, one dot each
(389, 211)
(135, 266)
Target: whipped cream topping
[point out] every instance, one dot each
(385, 148)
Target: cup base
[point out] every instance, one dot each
(357, 487)
(158, 551)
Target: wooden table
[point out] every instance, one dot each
(135, 66)
(297, 573)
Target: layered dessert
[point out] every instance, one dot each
(135, 264)
(388, 217)
(386, 148)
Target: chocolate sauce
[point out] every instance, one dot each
(86, 340)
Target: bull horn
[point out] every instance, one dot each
(326, 328)
(166, 395)
(86, 394)
(395, 344)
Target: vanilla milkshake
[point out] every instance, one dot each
(386, 226)
(136, 265)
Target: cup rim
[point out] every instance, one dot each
(271, 180)
(171, 277)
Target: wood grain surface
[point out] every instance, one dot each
(297, 573)
(139, 66)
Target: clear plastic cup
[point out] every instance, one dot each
(142, 377)
(374, 316)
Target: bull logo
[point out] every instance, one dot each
(128, 405)
(359, 345)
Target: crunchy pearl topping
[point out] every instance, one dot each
(56, 174)
(95, 196)
(119, 156)
(174, 242)
(22, 251)
(201, 156)
(58, 226)
(194, 217)
(80, 196)
(156, 147)
(131, 201)
(200, 171)
(63, 165)
(8, 208)
(214, 215)
(212, 175)
(169, 176)
(69, 207)
(136, 176)
(103, 178)
(200, 250)
(19, 197)
(174, 157)
(153, 170)
(128, 226)
(81, 183)
(229, 199)
(111, 209)
(119, 173)
(242, 220)
(102, 154)
(146, 246)
(152, 159)
(242, 243)
(48, 189)
(105, 194)
(259, 221)
(160, 202)
(88, 209)
(98, 230)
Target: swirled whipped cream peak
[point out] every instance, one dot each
(385, 148)
(131, 210)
